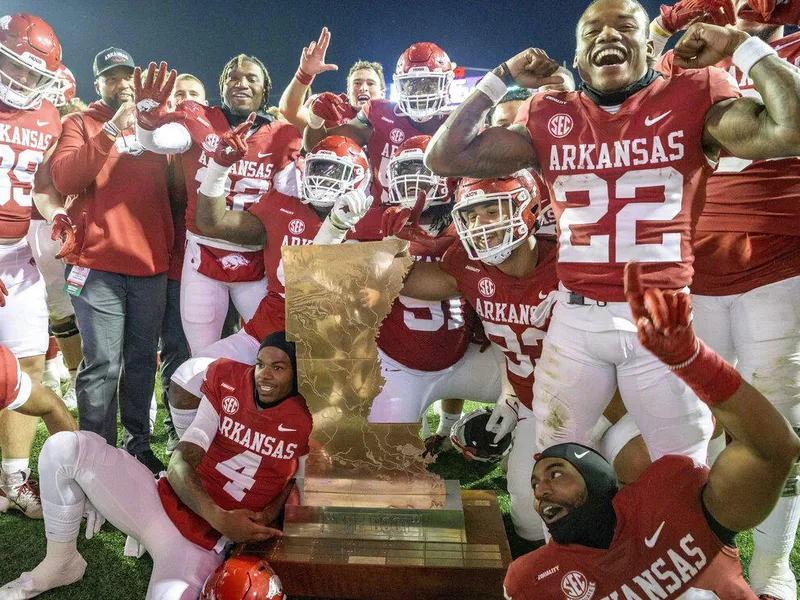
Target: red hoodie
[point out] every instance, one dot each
(119, 202)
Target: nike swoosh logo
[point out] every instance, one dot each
(581, 455)
(282, 428)
(266, 154)
(41, 123)
(648, 121)
(542, 296)
(651, 541)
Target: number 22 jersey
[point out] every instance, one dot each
(629, 185)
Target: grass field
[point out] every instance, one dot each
(111, 576)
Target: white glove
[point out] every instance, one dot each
(94, 520)
(504, 416)
(349, 208)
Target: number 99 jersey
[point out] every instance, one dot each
(629, 185)
(25, 137)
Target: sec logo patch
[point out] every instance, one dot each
(576, 586)
(396, 136)
(296, 226)
(230, 405)
(560, 125)
(211, 142)
(486, 287)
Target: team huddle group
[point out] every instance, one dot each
(590, 261)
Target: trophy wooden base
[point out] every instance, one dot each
(349, 568)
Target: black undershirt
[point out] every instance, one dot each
(725, 535)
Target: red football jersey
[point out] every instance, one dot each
(288, 222)
(270, 149)
(253, 456)
(747, 235)
(663, 547)
(626, 186)
(389, 130)
(507, 308)
(25, 137)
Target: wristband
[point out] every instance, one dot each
(56, 212)
(659, 37)
(303, 77)
(493, 87)
(111, 129)
(709, 376)
(749, 53)
(213, 184)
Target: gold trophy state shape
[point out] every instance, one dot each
(372, 520)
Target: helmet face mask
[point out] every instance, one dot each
(408, 175)
(470, 437)
(493, 239)
(30, 56)
(334, 167)
(422, 94)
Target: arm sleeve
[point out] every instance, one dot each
(204, 427)
(77, 159)
(721, 85)
(172, 138)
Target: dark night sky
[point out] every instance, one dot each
(199, 37)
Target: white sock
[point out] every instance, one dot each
(73, 375)
(715, 446)
(14, 465)
(52, 371)
(182, 418)
(62, 523)
(446, 422)
(62, 565)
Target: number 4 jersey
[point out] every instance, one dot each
(253, 455)
(626, 186)
(25, 137)
(515, 312)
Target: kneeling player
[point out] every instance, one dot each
(686, 515)
(227, 480)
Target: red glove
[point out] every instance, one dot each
(775, 12)
(330, 108)
(404, 222)
(152, 96)
(3, 293)
(64, 230)
(233, 144)
(686, 12)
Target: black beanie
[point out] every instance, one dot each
(593, 523)
(278, 340)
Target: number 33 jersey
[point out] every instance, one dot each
(626, 186)
(515, 312)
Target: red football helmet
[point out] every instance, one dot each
(408, 174)
(506, 220)
(30, 56)
(243, 578)
(66, 89)
(422, 81)
(15, 384)
(336, 165)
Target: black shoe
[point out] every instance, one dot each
(150, 460)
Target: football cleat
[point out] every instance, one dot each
(70, 399)
(21, 493)
(470, 437)
(243, 578)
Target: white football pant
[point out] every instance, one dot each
(44, 253)
(79, 465)
(24, 318)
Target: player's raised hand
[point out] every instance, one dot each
(241, 525)
(663, 319)
(705, 45)
(64, 230)
(775, 12)
(327, 109)
(349, 208)
(152, 95)
(532, 68)
(312, 60)
(682, 14)
(232, 145)
(403, 222)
